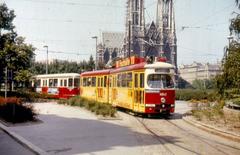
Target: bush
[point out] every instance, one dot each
(98, 108)
(194, 94)
(236, 101)
(13, 110)
(28, 96)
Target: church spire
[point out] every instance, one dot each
(135, 25)
(165, 23)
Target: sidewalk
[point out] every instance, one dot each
(9, 146)
(12, 143)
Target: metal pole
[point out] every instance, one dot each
(96, 66)
(6, 82)
(47, 59)
(96, 61)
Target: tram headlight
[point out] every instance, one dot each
(163, 100)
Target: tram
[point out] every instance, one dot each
(64, 85)
(133, 84)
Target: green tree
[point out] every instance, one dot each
(203, 84)
(230, 78)
(16, 55)
(91, 64)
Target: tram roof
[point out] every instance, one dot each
(138, 66)
(97, 72)
(130, 67)
(57, 75)
(159, 64)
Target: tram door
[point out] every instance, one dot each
(102, 89)
(138, 103)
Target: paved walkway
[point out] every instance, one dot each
(9, 146)
(71, 130)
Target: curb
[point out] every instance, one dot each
(213, 130)
(23, 141)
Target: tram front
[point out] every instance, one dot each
(159, 88)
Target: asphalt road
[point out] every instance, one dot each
(71, 130)
(8, 146)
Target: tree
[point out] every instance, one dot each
(230, 78)
(203, 84)
(91, 63)
(16, 55)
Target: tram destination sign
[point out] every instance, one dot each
(162, 70)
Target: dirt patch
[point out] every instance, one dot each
(214, 114)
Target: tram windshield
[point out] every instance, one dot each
(160, 81)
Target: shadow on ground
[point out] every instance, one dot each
(61, 135)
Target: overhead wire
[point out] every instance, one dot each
(62, 52)
(199, 51)
(70, 3)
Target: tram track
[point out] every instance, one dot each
(203, 139)
(156, 136)
(211, 143)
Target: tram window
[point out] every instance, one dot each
(105, 81)
(101, 82)
(114, 81)
(61, 83)
(160, 81)
(124, 80)
(65, 83)
(142, 80)
(110, 82)
(84, 82)
(38, 84)
(93, 81)
(89, 82)
(129, 80)
(98, 82)
(70, 82)
(50, 82)
(119, 80)
(55, 82)
(44, 83)
(136, 80)
(76, 82)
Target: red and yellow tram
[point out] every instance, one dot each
(134, 84)
(64, 85)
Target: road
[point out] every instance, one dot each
(69, 130)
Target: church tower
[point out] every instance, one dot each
(135, 25)
(165, 24)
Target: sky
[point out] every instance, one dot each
(67, 26)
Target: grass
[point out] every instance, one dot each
(210, 113)
(236, 101)
(98, 108)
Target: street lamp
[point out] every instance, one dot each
(96, 61)
(47, 59)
